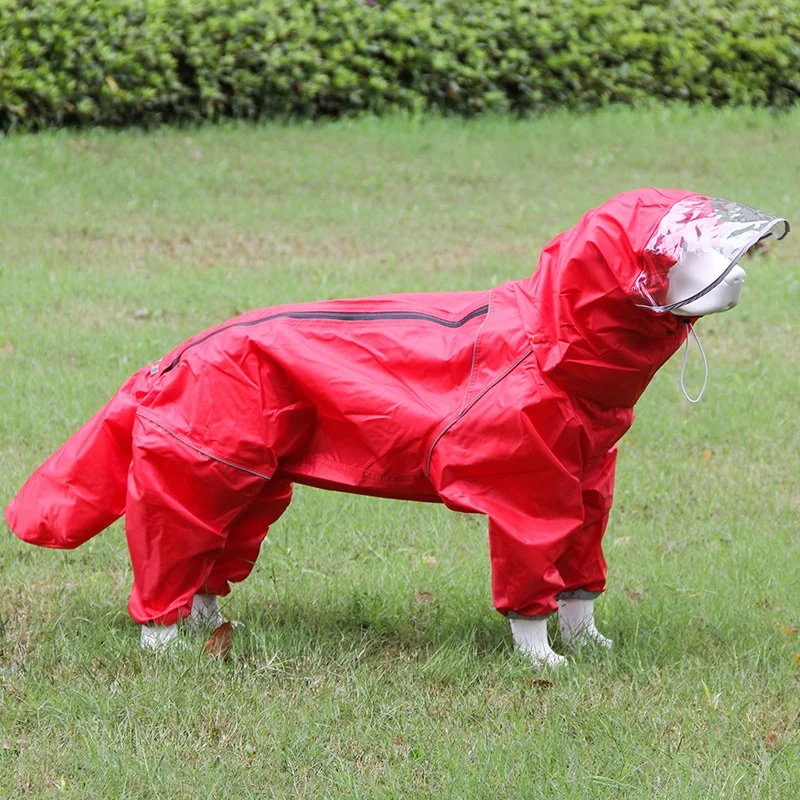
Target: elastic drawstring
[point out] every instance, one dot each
(683, 366)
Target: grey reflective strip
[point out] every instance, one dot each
(578, 594)
(464, 410)
(341, 316)
(200, 450)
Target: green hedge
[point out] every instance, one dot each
(117, 62)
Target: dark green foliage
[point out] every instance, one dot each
(119, 62)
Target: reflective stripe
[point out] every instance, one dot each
(466, 408)
(202, 451)
(343, 316)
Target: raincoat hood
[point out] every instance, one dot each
(596, 300)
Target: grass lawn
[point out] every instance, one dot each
(372, 663)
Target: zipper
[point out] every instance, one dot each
(344, 316)
(461, 414)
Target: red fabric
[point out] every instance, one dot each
(506, 403)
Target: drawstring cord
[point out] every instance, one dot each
(683, 366)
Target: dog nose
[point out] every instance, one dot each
(735, 277)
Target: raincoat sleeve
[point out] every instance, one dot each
(533, 512)
(582, 566)
(532, 518)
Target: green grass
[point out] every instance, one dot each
(343, 684)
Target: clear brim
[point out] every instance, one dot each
(697, 224)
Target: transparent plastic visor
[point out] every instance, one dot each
(700, 224)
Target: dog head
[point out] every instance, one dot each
(611, 294)
(690, 264)
(690, 277)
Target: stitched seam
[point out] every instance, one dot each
(475, 354)
(466, 410)
(203, 451)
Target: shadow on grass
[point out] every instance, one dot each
(368, 630)
(384, 628)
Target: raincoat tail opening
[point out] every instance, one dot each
(80, 489)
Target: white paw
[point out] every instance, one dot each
(585, 638)
(577, 625)
(548, 659)
(530, 638)
(158, 637)
(205, 614)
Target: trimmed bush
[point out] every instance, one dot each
(119, 62)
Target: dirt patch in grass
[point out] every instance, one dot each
(207, 251)
(242, 251)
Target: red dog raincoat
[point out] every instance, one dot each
(506, 403)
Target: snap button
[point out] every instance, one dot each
(537, 338)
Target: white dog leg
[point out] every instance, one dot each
(205, 614)
(157, 637)
(530, 637)
(576, 620)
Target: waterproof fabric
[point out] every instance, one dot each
(506, 403)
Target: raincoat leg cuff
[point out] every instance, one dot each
(578, 594)
(514, 615)
(173, 617)
(158, 637)
(220, 588)
(169, 618)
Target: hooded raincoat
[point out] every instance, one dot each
(506, 403)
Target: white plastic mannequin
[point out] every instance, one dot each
(693, 273)
(530, 638)
(576, 622)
